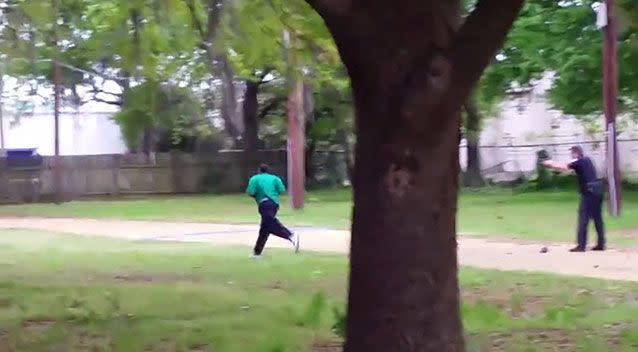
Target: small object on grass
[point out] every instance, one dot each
(544, 250)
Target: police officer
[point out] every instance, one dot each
(591, 196)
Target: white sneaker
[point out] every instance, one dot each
(256, 256)
(295, 242)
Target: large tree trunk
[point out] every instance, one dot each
(251, 123)
(404, 293)
(411, 70)
(473, 177)
(250, 138)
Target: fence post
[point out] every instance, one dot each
(115, 169)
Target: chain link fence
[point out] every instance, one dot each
(506, 163)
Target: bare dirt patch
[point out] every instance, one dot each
(473, 251)
(631, 233)
(547, 339)
(544, 340)
(327, 346)
(152, 278)
(84, 341)
(37, 326)
(169, 346)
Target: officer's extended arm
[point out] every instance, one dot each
(551, 164)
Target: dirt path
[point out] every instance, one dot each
(476, 252)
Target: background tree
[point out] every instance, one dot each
(562, 38)
(109, 48)
(174, 112)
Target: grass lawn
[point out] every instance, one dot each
(492, 212)
(66, 293)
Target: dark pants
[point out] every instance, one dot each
(269, 225)
(590, 209)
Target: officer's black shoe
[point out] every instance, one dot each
(577, 249)
(598, 248)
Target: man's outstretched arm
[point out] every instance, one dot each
(551, 164)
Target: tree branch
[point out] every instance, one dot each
(100, 100)
(214, 17)
(196, 22)
(476, 43)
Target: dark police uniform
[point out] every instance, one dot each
(591, 200)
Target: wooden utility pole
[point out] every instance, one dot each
(1, 112)
(57, 176)
(296, 126)
(607, 21)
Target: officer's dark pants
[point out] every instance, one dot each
(590, 209)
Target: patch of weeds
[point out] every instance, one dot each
(80, 311)
(313, 313)
(629, 338)
(483, 315)
(473, 280)
(592, 343)
(517, 304)
(339, 326)
(274, 345)
(566, 315)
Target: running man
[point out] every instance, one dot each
(266, 188)
(591, 197)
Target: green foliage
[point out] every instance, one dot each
(562, 37)
(80, 311)
(339, 326)
(163, 107)
(313, 314)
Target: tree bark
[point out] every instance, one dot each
(251, 123)
(403, 287)
(218, 64)
(229, 97)
(473, 176)
(411, 66)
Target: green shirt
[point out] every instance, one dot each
(265, 186)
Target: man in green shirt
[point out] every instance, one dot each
(266, 188)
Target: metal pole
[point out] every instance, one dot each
(57, 177)
(610, 93)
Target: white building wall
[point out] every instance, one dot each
(82, 133)
(530, 120)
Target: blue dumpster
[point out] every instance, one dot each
(21, 174)
(23, 159)
(21, 153)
